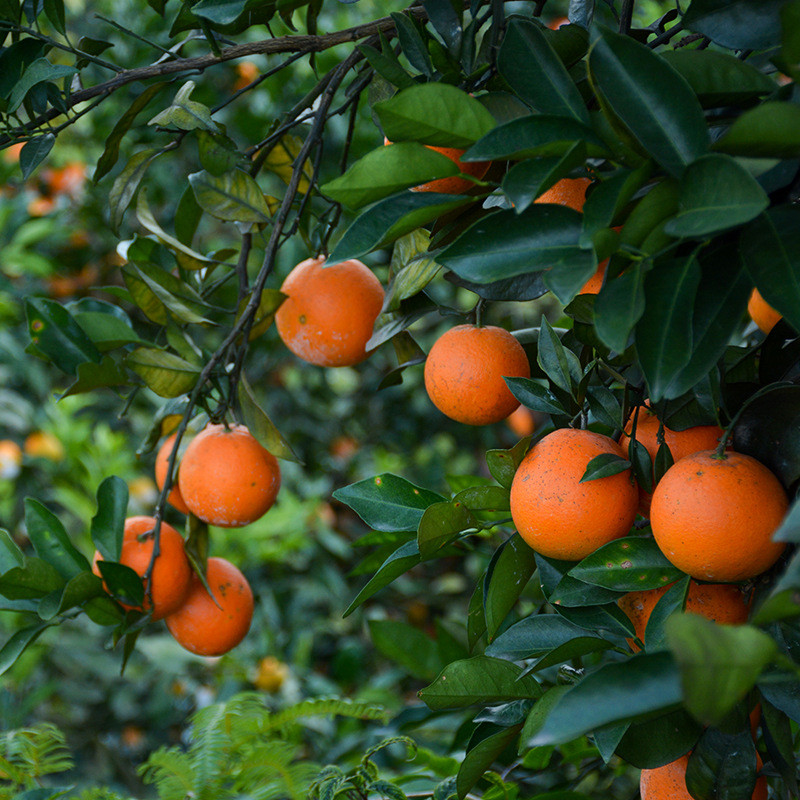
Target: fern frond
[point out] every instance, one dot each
(293, 784)
(269, 767)
(100, 793)
(332, 706)
(211, 742)
(410, 744)
(171, 771)
(36, 751)
(387, 789)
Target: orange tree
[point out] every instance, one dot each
(681, 127)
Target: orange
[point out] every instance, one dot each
(595, 283)
(10, 459)
(41, 444)
(720, 602)
(270, 675)
(208, 628)
(68, 180)
(455, 184)
(464, 373)
(227, 478)
(680, 443)
(669, 782)
(246, 73)
(556, 514)
(328, 316)
(174, 498)
(171, 572)
(570, 192)
(763, 314)
(714, 517)
(521, 421)
(11, 153)
(557, 22)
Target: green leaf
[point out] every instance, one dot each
(525, 181)
(51, 541)
(539, 135)
(385, 171)
(723, 765)
(411, 268)
(560, 365)
(603, 466)
(164, 373)
(17, 644)
(387, 65)
(479, 681)
(627, 565)
(81, 588)
(659, 741)
(392, 218)
(719, 664)
(408, 646)
(737, 25)
(506, 244)
(716, 193)
(534, 636)
(440, 524)
(664, 335)
(55, 333)
(108, 523)
(770, 248)
(535, 394)
(770, 130)
(39, 71)
(642, 685)
(186, 114)
(106, 331)
(414, 46)
(261, 426)
(35, 578)
(10, 554)
(388, 502)
(127, 183)
(480, 757)
(503, 464)
(435, 114)
(111, 150)
(538, 714)
(652, 101)
(157, 291)
(91, 376)
(535, 72)
(484, 498)
(507, 576)
(122, 582)
(619, 306)
(718, 79)
(220, 12)
(34, 152)
(233, 196)
(403, 559)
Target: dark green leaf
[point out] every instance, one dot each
(106, 331)
(503, 464)
(109, 522)
(402, 560)
(718, 663)
(446, 21)
(634, 688)
(480, 757)
(80, 589)
(388, 502)
(414, 47)
(35, 578)
(716, 193)
(51, 541)
(122, 582)
(220, 12)
(408, 646)
(508, 574)
(261, 426)
(770, 130)
(10, 554)
(38, 72)
(34, 152)
(604, 465)
(535, 72)
(127, 183)
(723, 765)
(54, 10)
(535, 394)
(557, 362)
(534, 636)
(440, 524)
(16, 645)
(650, 98)
(659, 741)
(387, 65)
(736, 24)
(479, 680)
(627, 565)
(92, 376)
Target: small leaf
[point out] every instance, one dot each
(16, 645)
(233, 196)
(186, 114)
(81, 588)
(164, 373)
(506, 577)
(440, 524)
(503, 464)
(535, 394)
(109, 522)
(34, 579)
(33, 152)
(127, 183)
(51, 541)
(770, 130)
(558, 363)
(39, 71)
(399, 562)
(261, 426)
(603, 466)
(10, 554)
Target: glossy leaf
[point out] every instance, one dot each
(745, 24)
(659, 741)
(414, 46)
(109, 522)
(559, 363)
(440, 524)
(39, 71)
(122, 583)
(10, 554)
(388, 502)
(387, 170)
(479, 680)
(650, 99)
(233, 196)
(51, 541)
(403, 559)
(627, 565)
(718, 663)
(435, 114)
(106, 331)
(506, 577)
(480, 757)
(389, 219)
(503, 464)
(664, 335)
(723, 764)
(603, 466)
(535, 394)
(33, 152)
(534, 636)
(539, 135)
(91, 376)
(55, 333)
(535, 72)
(261, 426)
(127, 183)
(82, 587)
(619, 306)
(615, 692)
(164, 373)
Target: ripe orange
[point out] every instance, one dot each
(10, 459)
(174, 498)
(714, 517)
(464, 373)
(455, 184)
(328, 316)
(208, 629)
(227, 478)
(669, 782)
(521, 421)
(763, 314)
(271, 674)
(41, 444)
(680, 443)
(570, 192)
(720, 602)
(595, 283)
(557, 515)
(172, 573)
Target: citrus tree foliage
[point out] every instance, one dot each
(687, 126)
